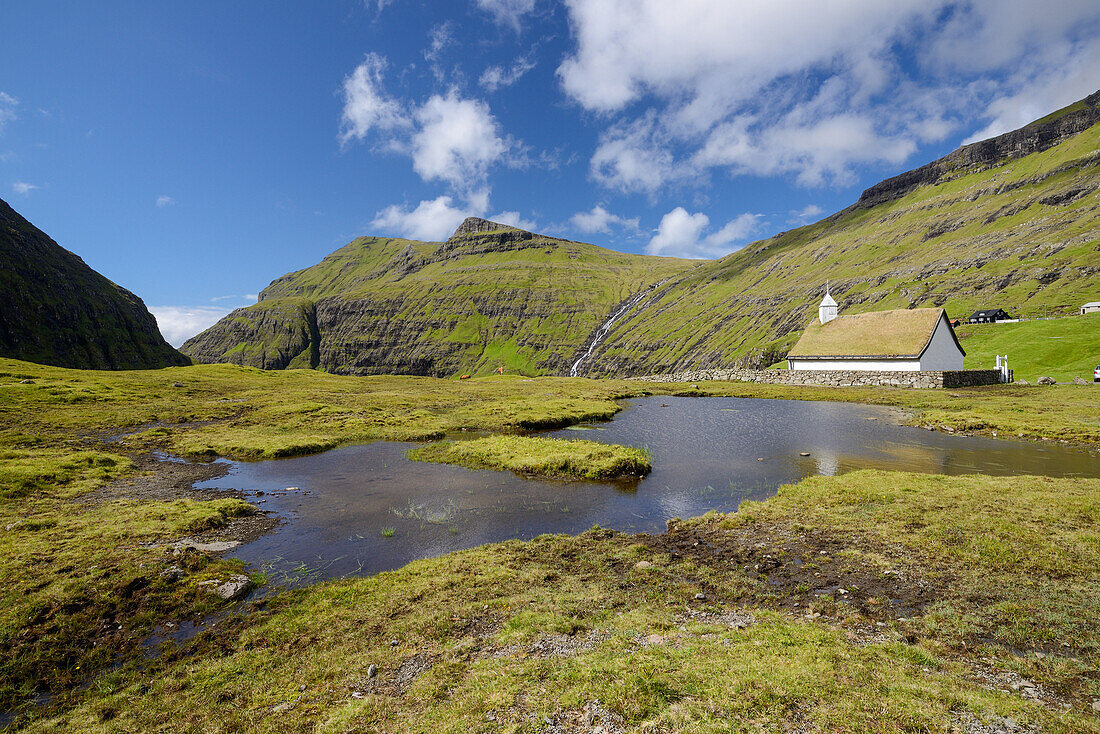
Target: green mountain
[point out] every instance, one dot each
(56, 310)
(489, 296)
(1010, 222)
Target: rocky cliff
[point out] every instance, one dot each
(56, 310)
(984, 154)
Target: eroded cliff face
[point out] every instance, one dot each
(56, 310)
(489, 296)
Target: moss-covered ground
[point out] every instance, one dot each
(542, 457)
(992, 573)
(701, 629)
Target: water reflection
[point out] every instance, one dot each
(709, 454)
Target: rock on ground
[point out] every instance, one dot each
(234, 588)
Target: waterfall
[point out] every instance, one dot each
(606, 328)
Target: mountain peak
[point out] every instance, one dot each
(474, 225)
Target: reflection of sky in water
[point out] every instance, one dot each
(708, 454)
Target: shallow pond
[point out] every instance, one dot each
(365, 509)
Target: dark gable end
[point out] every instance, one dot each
(951, 329)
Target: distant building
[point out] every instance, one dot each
(988, 316)
(903, 340)
(1090, 307)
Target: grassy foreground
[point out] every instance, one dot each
(543, 457)
(83, 559)
(871, 602)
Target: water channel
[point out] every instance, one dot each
(708, 454)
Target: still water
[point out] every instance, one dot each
(708, 454)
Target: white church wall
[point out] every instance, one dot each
(862, 365)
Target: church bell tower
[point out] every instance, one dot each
(826, 312)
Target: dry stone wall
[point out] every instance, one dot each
(841, 378)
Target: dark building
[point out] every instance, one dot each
(988, 316)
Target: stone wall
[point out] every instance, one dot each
(841, 378)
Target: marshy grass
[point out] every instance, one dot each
(469, 641)
(389, 531)
(541, 457)
(67, 563)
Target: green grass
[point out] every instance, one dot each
(1018, 554)
(79, 583)
(70, 565)
(1061, 348)
(541, 457)
(477, 630)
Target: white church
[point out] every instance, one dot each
(902, 340)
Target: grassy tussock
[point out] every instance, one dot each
(543, 457)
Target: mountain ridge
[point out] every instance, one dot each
(490, 295)
(56, 310)
(1010, 219)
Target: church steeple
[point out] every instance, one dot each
(826, 312)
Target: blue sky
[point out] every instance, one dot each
(194, 151)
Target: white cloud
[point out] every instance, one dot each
(246, 297)
(983, 35)
(449, 138)
(713, 52)
(806, 214)
(813, 150)
(457, 141)
(8, 104)
(432, 220)
(180, 323)
(680, 234)
(439, 37)
(1070, 76)
(813, 89)
(600, 219)
(634, 157)
(496, 77)
(164, 200)
(513, 219)
(22, 187)
(508, 12)
(366, 104)
(378, 5)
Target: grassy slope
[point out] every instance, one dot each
(545, 457)
(1060, 348)
(514, 636)
(1000, 246)
(467, 307)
